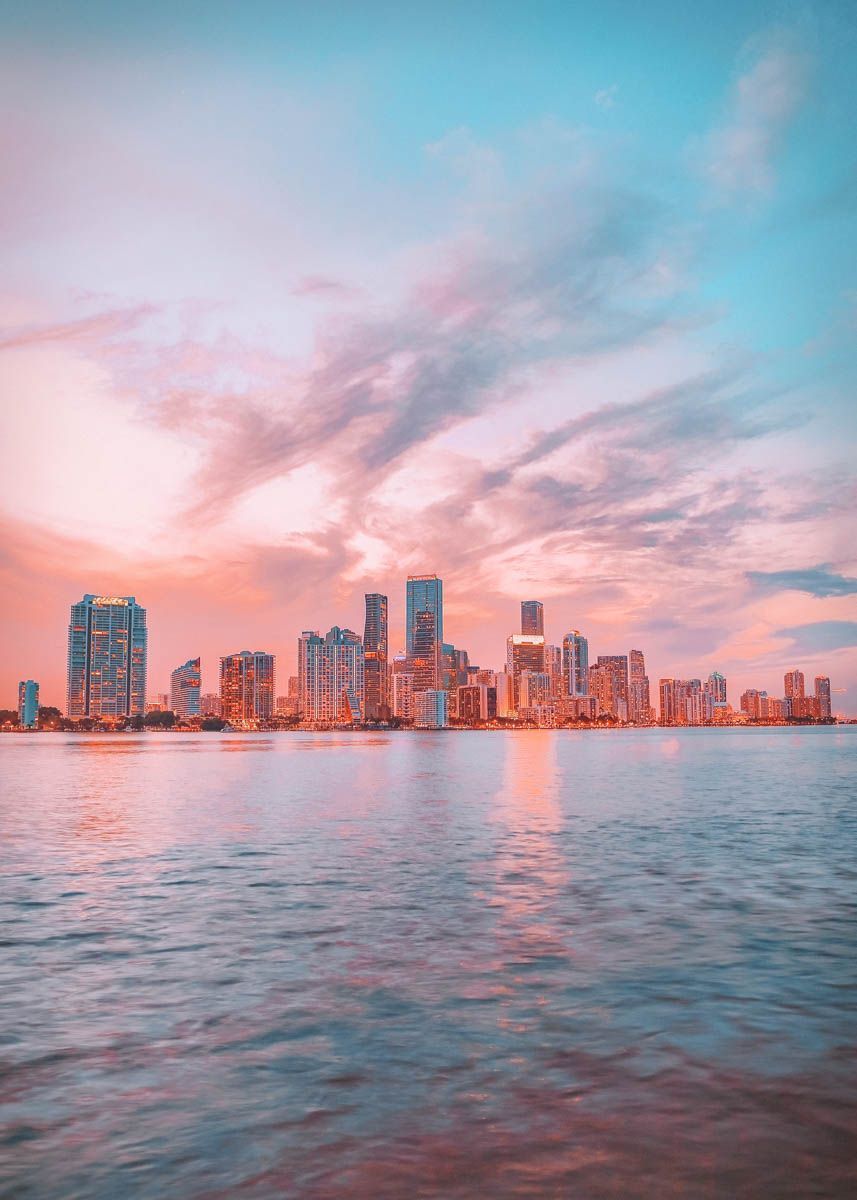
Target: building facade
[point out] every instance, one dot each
(822, 696)
(209, 704)
(107, 651)
(185, 689)
(28, 704)
(431, 709)
(375, 652)
(575, 664)
(793, 683)
(639, 698)
(332, 677)
(247, 687)
(524, 652)
(533, 617)
(423, 593)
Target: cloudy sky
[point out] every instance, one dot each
(558, 300)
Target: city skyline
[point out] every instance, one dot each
(551, 329)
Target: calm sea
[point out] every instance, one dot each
(449, 965)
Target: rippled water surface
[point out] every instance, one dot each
(442, 965)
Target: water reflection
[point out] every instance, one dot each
(444, 966)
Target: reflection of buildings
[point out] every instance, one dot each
(107, 645)
(28, 704)
(185, 684)
(247, 686)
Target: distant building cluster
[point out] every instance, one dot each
(345, 679)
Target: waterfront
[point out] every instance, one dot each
(374, 965)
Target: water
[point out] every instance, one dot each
(444, 965)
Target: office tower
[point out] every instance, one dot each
(403, 695)
(424, 593)
(209, 704)
(247, 686)
(504, 693)
(431, 709)
(822, 696)
(107, 643)
(639, 701)
(463, 668)
(754, 704)
(794, 684)
(553, 666)
(533, 618)
(575, 664)
(28, 704)
(617, 666)
(333, 679)
(185, 685)
(473, 702)
(375, 656)
(534, 690)
(682, 702)
(424, 655)
(524, 652)
(448, 667)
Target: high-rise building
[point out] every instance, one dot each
(639, 701)
(28, 704)
(185, 686)
(504, 691)
(403, 695)
(209, 704)
(473, 702)
(822, 695)
(617, 666)
(534, 690)
(431, 709)
(375, 656)
(533, 617)
(107, 644)
(332, 677)
(247, 686)
(524, 652)
(424, 593)
(754, 704)
(794, 684)
(425, 654)
(575, 664)
(682, 702)
(553, 666)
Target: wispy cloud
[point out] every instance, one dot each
(739, 154)
(821, 635)
(815, 581)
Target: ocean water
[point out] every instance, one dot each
(602, 964)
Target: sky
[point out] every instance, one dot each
(556, 300)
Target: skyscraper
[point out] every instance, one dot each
(185, 685)
(247, 686)
(425, 655)
(524, 652)
(822, 696)
(424, 593)
(107, 645)
(375, 656)
(639, 702)
(617, 667)
(794, 684)
(575, 664)
(714, 691)
(431, 709)
(28, 704)
(332, 673)
(533, 617)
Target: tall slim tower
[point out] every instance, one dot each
(375, 655)
(247, 686)
(533, 617)
(822, 696)
(107, 647)
(424, 594)
(794, 684)
(185, 686)
(575, 663)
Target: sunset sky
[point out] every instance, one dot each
(557, 300)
